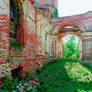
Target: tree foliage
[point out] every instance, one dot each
(71, 49)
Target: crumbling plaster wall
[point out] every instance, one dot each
(43, 26)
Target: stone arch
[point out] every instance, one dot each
(58, 26)
(56, 29)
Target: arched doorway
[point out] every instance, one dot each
(71, 47)
(62, 29)
(62, 34)
(67, 26)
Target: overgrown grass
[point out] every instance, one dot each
(65, 76)
(61, 75)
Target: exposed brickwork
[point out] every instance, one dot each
(29, 65)
(4, 70)
(13, 52)
(4, 37)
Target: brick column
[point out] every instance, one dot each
(60, 48)
(60, 45)
(87, 46)
(4, 30)
(80, 48)
(21, 31)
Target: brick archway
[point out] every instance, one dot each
(59, 25)
(56, 29)
(60, 42)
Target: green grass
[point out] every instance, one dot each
(65, 76)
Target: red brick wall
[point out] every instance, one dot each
(29, 39)
(13, 53)
(35, 24)
(27, 28)
(4, 29)
(21, 29)
(4, 37)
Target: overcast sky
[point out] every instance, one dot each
(72, 7)
(67, 38)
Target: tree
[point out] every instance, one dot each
(70, 49)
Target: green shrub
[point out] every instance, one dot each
(10, 83)
(28, 76)
(70, 50)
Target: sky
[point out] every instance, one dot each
(67, 38)
(72, 7)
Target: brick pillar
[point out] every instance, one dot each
(21, 32)
(60, 48)
(87, 46)
(4, 30)
(60, 45)
(80, 48)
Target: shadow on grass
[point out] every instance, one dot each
(55, 78)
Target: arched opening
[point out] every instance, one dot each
(67, 22)
(70, 47)
(67, 26)
(71, 33)
(14, 22)
(16, 29)
(16, 73)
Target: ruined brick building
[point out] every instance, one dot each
(33, 26)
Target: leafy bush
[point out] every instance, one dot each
(70, 50)
(9, 83)
(28, 77)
